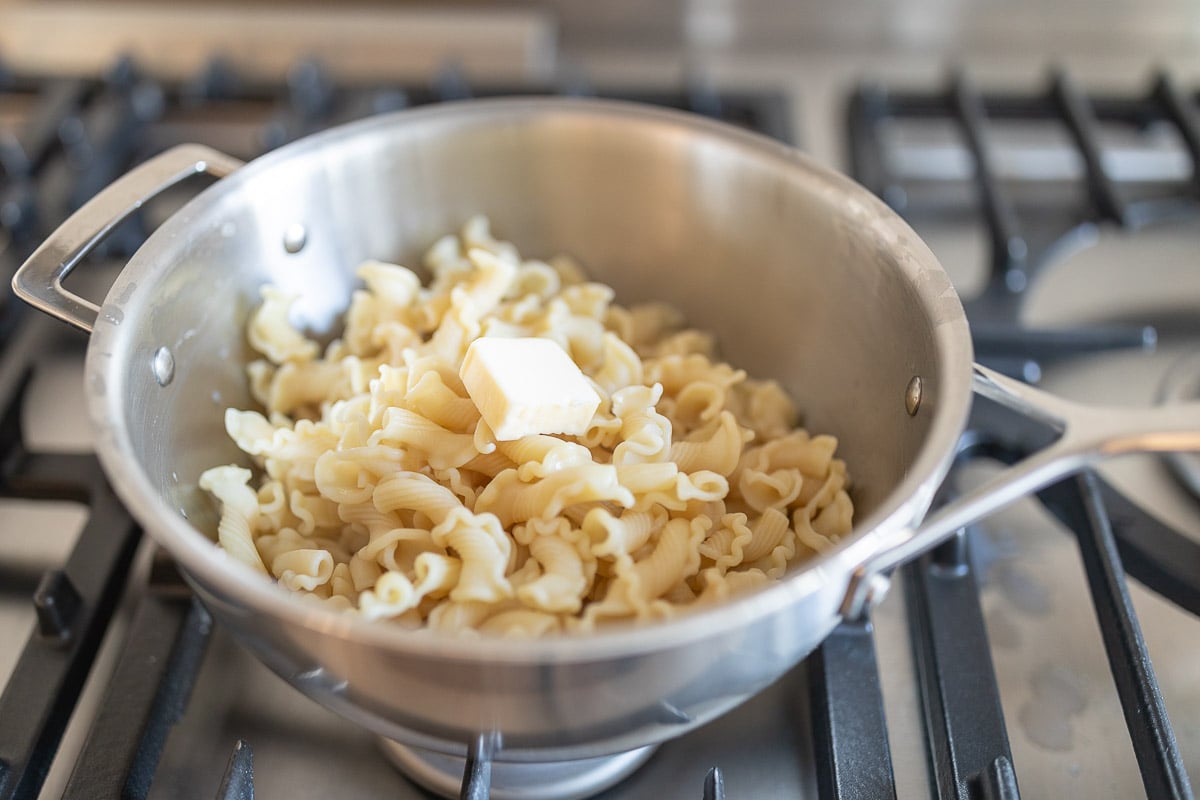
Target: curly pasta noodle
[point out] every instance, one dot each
(382, 492)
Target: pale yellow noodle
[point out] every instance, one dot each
(415, 492)
(302, 569)
(435, 401)
(442, 449)
(384, 493)
(718, 453)
(521, 623)
(514, 501)
(562, 585)
(270, 332)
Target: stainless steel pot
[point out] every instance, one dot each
(802, 274)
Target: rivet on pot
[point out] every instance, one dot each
(295, 237)
(912, 395)
(163, 366)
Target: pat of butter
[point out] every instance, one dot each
(527, 386)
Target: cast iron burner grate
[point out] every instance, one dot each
(74, 603)
(1124, 161)
(1024, 240)
(969, 750)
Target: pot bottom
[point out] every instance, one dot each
(558, 780)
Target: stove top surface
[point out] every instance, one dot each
(1062, 714)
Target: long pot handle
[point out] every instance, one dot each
(1087, 434)
(39, 280)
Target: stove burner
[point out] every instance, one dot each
(564, 780)
(1182, 384)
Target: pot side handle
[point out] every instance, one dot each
(39, 280)
(1086, 434)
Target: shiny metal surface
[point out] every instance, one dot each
(659, 205)
(558, 780)
(302, 750)
(39, 281)
(1087, 434)
(1182, 383)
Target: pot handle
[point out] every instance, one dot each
(39, 280)
(1086, 434)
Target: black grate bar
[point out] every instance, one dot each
(714, 785)
(102, 140)
(61, 100)
(1019, 106)
(1078, 503)
(1081, 122)
(33, 336)
(238, 781)
(574, 81)
(45, 684)
(1000, 781)
(868, 107)
(21, 154)
(960, 698)
(17, 579)
(1182, 112)
(1044, 344)
(451, 84)
(1010, 251)
(1020, 246)
(311, 91)
(477, 772)
(1157, 555)
(147, 694)
(703, 99)
(849, 730)
(217, 81)
(56, 602)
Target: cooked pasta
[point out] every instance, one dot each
(381, 490)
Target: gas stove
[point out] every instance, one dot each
(1049, 651)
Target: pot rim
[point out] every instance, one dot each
(202, 562)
